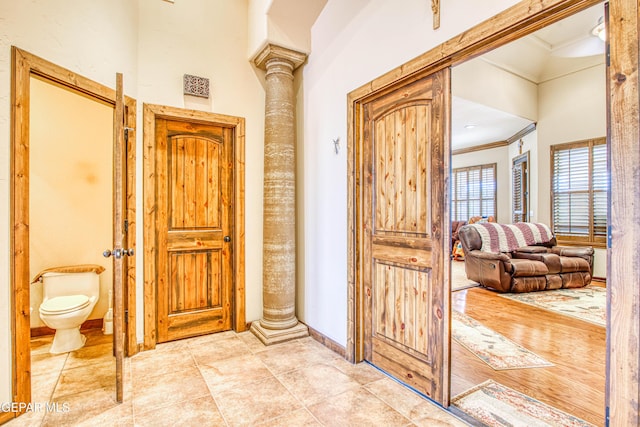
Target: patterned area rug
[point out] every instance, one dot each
(497, 405)
(492, 348)
(588, 303)
(459, 279)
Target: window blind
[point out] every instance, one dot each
(473, 192)
(579, 191)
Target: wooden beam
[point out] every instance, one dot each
(521, 133)
(497, 144)
(519, 20)
(623, 258)
(488, 146)
(21, 362)
(5, 417)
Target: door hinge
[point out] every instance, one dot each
(126, 316)
(126, 226)
(608, 236)
(606, 416)
(126, 133)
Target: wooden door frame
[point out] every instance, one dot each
(522, 158)
(23, 65)
(623, 127)
(150, 114)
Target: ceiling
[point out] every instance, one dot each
(554, 51)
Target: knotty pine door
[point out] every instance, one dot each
(406, 306)
(194, 259)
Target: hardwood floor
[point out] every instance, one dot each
(575, 384)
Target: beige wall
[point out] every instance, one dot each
(352, 42)
(571, 108)
(208, 39)
(486, 84)
(70, 186)
(153, 43)
(258, 28)
(95, 39)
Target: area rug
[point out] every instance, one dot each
(459, 279)
(497, 405)
(492, 348)
(588, 303)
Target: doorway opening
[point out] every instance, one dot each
(532, 81)
(508, 26)
(194, 205)
(29, 71)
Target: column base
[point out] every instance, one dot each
(274, 336)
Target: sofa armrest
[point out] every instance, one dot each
(492, 270)
(486, 257)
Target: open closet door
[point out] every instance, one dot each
(120, 252)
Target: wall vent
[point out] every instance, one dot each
(196, 86)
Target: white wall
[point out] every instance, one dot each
(95, 39)
(500, 156)
(70, 187)
(352, 42)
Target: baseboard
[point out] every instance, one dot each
(41, 331)
(327, 342)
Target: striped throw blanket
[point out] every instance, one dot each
(509, 237)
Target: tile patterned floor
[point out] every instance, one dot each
(225, 379)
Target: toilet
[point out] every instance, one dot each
(69, 295)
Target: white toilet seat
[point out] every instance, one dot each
(64, 304)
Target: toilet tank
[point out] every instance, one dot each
(74, 280)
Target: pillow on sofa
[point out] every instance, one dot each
(509, 237)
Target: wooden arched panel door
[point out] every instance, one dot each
(405, 300)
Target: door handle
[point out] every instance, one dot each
(227, 238)
(118, 253)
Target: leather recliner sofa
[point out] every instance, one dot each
(538, 267)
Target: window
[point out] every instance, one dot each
(579, 184)
(473, 192)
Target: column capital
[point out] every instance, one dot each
(272, 51)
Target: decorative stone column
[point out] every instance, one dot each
(279, 322)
